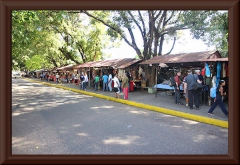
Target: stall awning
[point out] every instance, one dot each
(86, 65)
(216, 60)
(114, 63)
(67, 67)
(183, 57)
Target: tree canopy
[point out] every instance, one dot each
(57, 37)
(156, 26)
(53, 38)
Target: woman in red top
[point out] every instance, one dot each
(177, 88)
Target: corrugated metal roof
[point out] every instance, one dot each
(115, 63)
(215, 59)
(183, 57)
(86, 65)
(129, 63)
(66, 67)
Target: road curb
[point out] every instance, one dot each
(198, 118)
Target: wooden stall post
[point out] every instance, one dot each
(89, 77)
(156, 80)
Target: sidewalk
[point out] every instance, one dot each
(141, 98)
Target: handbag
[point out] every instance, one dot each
(196, 85)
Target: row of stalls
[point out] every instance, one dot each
(112, 66)
(212, 66)
(120, 66)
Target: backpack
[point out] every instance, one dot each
(172, 82)
(213, 92)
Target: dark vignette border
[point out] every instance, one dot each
(5, 83)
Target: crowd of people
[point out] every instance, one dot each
(194, 96)
(106, 81)
(111, 83)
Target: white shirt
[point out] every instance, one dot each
(85, 78)
(214, 81)
(110, 77)
(115, 79)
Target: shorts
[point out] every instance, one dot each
(116, 90)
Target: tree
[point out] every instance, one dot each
(216, 33)
(56, 36)
(154, 26)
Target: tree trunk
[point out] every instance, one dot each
(150, 72)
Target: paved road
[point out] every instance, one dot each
(47, 120)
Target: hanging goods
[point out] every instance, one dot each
(213, 92)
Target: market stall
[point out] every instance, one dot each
(181, 62)
(111, 66)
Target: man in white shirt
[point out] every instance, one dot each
(116, 86)
(57, 77)
(85, 81)
(110, 82)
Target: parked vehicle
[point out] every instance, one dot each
(16, 75)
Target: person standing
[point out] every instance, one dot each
(120, 81)
(200, 77)
(82, 81)
(41, 76)
(218, 99)
(185, 91)
(47, 76)
(96, 81)
(57, 77)
(116, 85)
(67, 77)
(85, 81)
(105, 82)
(177, 88)
(73, 77)
(125, 86)
(110, 82)
(192, 94)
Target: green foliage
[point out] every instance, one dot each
(212, 28)
(154, 26)
(60, 36)
(55, 36)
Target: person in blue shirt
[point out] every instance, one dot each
(105, 82)
(218, 99)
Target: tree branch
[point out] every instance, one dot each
(159, 13)
(135, 21)
(172, 46)
(116, 30)
(161, 19)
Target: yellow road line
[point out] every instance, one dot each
(198, 118)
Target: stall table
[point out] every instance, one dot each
(166, 87)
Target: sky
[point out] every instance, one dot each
(185, 44)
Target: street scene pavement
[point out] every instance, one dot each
(163, 99)
(49, 120)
